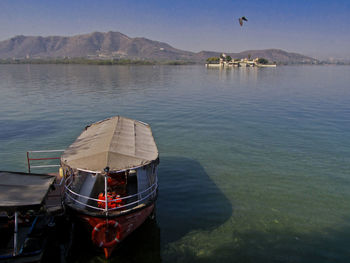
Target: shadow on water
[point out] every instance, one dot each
(188, 199)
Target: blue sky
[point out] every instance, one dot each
(312, 27)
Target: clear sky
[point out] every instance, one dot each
(317, 28)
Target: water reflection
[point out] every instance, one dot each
(25, 129)
(241, 75)
(81, 79)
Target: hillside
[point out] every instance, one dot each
(116, 45)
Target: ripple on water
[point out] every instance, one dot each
(254, 163)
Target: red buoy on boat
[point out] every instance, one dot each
(106, 234)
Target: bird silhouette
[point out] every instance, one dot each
(241, 20)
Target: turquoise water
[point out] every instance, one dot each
(255, 163)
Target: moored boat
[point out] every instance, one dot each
(24, 216)
(111, 179)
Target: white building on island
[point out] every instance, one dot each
(227, 62)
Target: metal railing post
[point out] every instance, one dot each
(28, 161)
(106, 192)
(15, 235)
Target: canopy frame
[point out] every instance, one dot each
(117, 142)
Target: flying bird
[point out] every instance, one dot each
(241, 20)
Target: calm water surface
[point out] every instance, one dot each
(255, 163)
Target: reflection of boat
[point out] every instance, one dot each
(24, 221)
(114, 159)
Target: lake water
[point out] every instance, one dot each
(255, 163)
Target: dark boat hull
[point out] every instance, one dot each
(125, 225)
(32, 241)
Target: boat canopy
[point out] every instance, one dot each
(22, 190)
(118, 142)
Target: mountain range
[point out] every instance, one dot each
(115, 45)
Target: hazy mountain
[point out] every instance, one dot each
(117, 45)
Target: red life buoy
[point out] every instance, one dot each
(98, 235)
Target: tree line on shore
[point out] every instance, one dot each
(86, 61)
(216, 60)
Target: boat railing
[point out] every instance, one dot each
(48, 160)
(41, 159)
(141, 198)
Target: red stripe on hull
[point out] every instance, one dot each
(126, 225)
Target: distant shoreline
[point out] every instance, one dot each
(85, 61)
(110, 62)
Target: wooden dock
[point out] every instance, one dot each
(54, 201)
